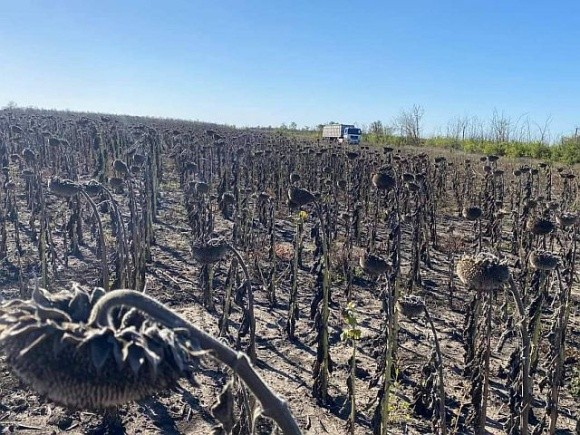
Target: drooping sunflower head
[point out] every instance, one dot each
(543, 260)
(482, 272)
(411, 306)
(50, 345)
(373, 264)
(208, 252)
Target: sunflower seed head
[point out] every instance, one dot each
(472, 213)
(411, 306)
(567, 219)
(93, 187)
(540, 226)
(300, 197)
(383, 181)
(543, 260)
(373, 264)
(51, 347)
(482, 272)
(65, 188)
(209, 252)
(121, 167)
(116, 183)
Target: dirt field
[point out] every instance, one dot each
(173, 277)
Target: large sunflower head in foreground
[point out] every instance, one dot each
(50, 345)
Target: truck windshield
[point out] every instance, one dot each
(353, 131)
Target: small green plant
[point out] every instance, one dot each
(399, 409)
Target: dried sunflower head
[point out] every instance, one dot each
(373, 264)
(201, 187)
(383, 181)
(540, 226)
(209, 252)
(29, 155)
(341, 184)
(472, 213)
(121, 167)
(138, 159)
(484, 271)
(27, 173)
(544, 260)
(300, 197)
(294, 177)
(93, 187)
(263, 197)
(228, 198)
(66, 188)
(411, 306)
(413, 187)
(567, 219)
(191, 166)
(50, 345)
(116, 182)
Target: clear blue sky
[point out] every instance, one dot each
(272, 62)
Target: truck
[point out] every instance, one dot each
(342, 133)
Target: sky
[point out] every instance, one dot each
(252, 63)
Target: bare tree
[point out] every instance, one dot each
(544, 131)
(523, 124)
(379, 130)
(475, 129)
(501, 127)
(457, 128)
(376, 128)
(11, 105)
(409, 124)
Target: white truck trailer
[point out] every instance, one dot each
(342, 133)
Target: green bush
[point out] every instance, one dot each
(566, 152)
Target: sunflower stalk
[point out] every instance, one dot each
(293, 308)
(251, 350)
(525, 361)
(351, 333)
(322, 374)
(228, 298)
(558, 351)
(101, 241)
(441, 383)
(272, 405)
